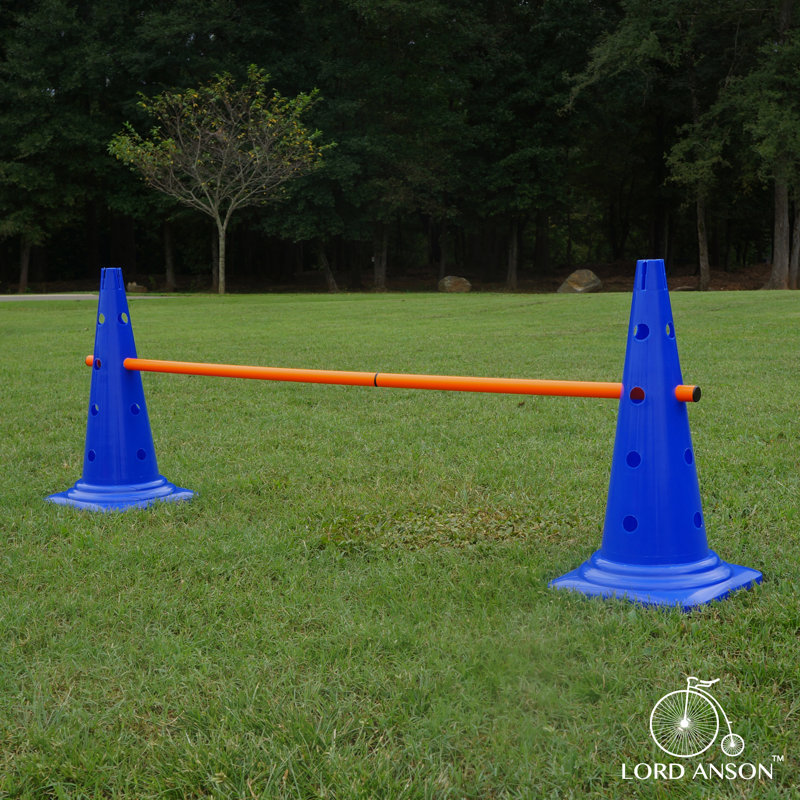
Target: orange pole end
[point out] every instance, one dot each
(687, 394)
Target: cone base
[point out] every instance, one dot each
(683, 585)
(93, 497)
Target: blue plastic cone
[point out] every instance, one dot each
(119, 465)
(654, 547)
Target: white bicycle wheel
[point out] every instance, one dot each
(732, 744)
(684, 723)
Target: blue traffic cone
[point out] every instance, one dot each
(119, 464)
(654, 547)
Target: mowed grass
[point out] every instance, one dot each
(356, 603)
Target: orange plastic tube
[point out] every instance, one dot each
(341, 378)
(389, 380)
(455, 383)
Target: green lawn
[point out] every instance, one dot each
(356, 603)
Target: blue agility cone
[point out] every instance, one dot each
(654, 547)
(119, 465)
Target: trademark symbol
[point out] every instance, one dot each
(778, 759)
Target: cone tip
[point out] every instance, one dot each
(650, 274)
(111, 278)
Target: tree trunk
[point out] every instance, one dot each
(169, 258)
(325, 266)
(700, 188)
(221, 237)
(568, 254)
(442, 251)
(215, 260)
(24, 264)
(356, 257)
(666, 250)
(93, 257)
(785, 18)
(381, 256)
(541, 250)
(123, 243)
(794, 259)
(779, 277)
(513, 257)
(619, 220)
(781, 238)
(702, 243)
(39, 263)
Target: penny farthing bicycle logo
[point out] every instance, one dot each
(686, 722)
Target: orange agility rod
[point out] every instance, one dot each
(449, 383)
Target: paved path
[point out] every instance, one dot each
(7, 298)
(10, 298)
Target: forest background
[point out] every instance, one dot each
(502, 140)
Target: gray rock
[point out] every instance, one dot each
(452, 283)
(580, 282)
(134, 287)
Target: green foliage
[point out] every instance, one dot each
(696, 158)
(40, 87)
(221, 147)
(768, 101)
(453, 120)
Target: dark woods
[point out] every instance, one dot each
(494, 139)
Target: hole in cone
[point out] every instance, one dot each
(637, 394)
(630, 523)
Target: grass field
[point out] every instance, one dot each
(356, 603)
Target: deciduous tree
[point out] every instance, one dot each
(222, 147)
(767, 98)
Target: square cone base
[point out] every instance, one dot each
(93, 497)
(685, 586)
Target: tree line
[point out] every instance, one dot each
(492, 138)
